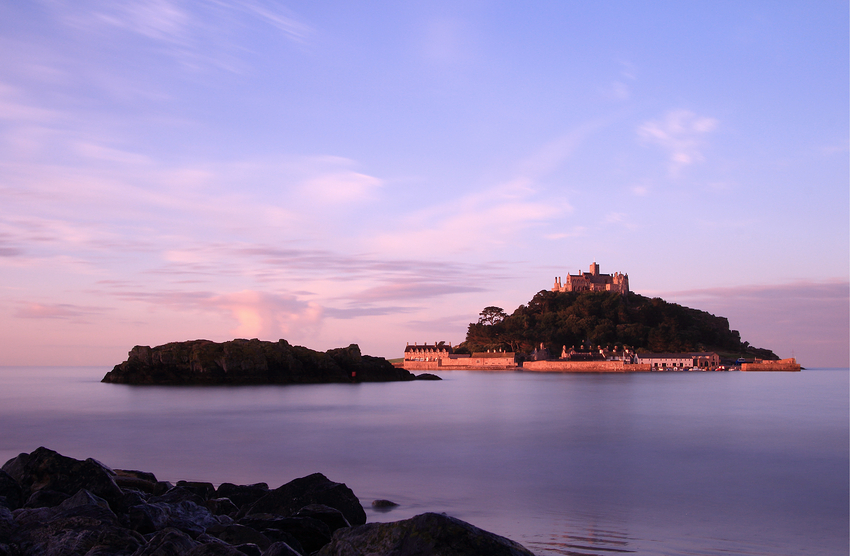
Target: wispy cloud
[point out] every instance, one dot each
(682, 134)
(63, 311)
(182, 29)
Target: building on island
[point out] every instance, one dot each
(427, 352)
(701, 360)
(593, 281)
(441, 356)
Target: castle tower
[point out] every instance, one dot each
(594, 269)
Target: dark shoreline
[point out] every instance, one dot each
(53, 505)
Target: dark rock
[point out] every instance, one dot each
(84, 498)
(75, 531)
(214, 549)
(142, 475)
(281, 549)
(7, 525)
(312, 489)
(132, 498)
(278, 536)
(137, 480)
(377, 504)
(249, 549)
(239, 534)
(249, 362)
(45, 469)
(10, 492)
(147, 518)
(310, 533)
(422, 535)
(222, 506)
(203, 490)
(427, 376)
(331, 517)
(242, 494)
(161, 487)
(185, 515)
(168, 542)
(45, 498)
(179, 494)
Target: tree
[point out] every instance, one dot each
(492, 315)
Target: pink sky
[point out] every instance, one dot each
(173, 170)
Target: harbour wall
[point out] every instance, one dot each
(789, 364)
(584, 367)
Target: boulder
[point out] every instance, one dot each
(427, 376)
(312, 489)
(242, 495)
(45, 498)
(422, 535)
(168, 542)
(239, 534)
(46, 469)
(75, 531)
(7, 525)
(136, 480)
(331, 517)
(280, 548)
(214, 549)
(11, 496)
(310, 533)
(222, 506)
(203, 490)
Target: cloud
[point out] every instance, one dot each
(258, 314)
(63, 311)
(681, 133)
(341, 187)
(480, 222)
(269, 315)
(183, 28)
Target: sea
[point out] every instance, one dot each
(684, 463)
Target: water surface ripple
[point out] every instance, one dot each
(667, 463)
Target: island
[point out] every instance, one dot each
(593, 322)
(240, 361)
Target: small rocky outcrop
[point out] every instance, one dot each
(54, 505)
(422, 535)
(202, 362)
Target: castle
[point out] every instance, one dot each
(593, 282)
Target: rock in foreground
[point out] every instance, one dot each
(53, 505)
(422, 535)
(201, 362)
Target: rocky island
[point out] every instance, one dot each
(202, 362)
(53, 505)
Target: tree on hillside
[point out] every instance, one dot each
(492, 315)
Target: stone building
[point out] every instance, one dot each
(593, 281)
(702, 360)
(439, 356)
(427, 352)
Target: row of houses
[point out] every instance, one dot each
(441, 356)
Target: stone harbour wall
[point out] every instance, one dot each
(583, 367)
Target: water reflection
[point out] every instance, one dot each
(675, 463)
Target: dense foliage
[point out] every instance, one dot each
(606, 319)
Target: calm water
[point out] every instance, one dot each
(672, 463)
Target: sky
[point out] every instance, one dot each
(332, 173)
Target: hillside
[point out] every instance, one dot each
(606, 319)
